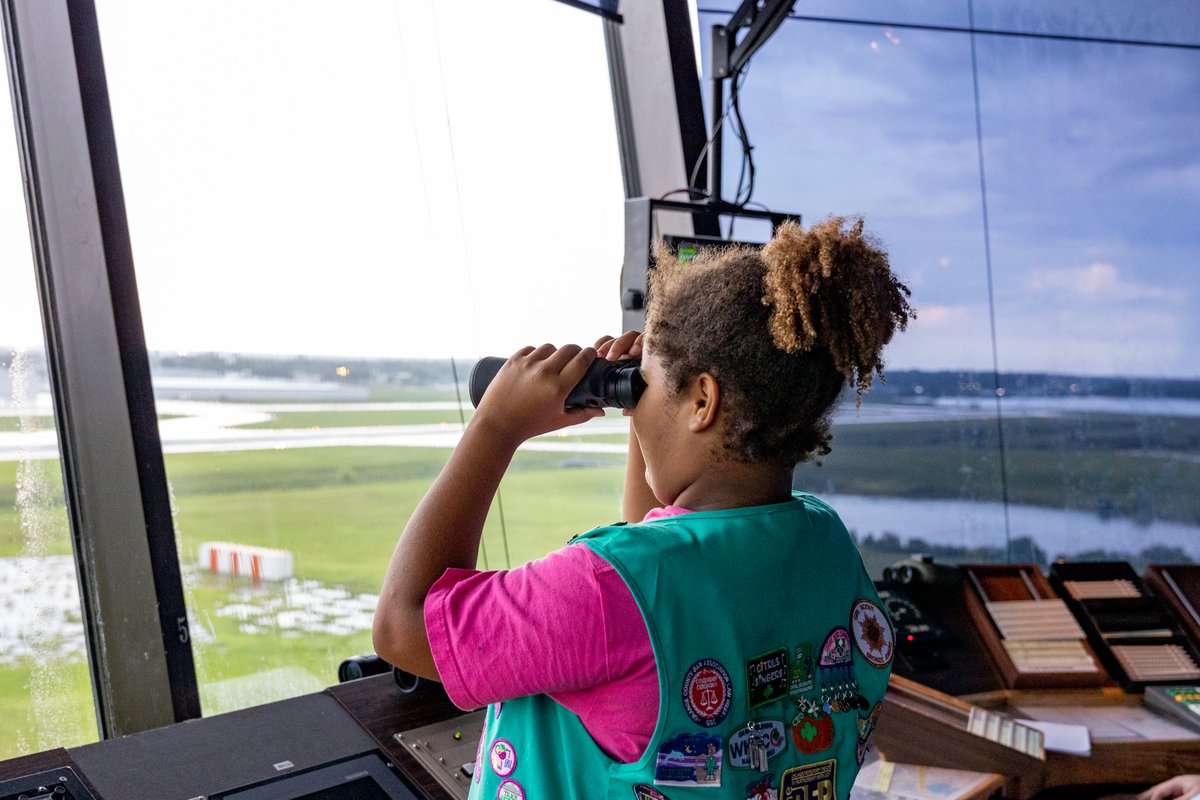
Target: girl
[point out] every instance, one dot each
(726, 640)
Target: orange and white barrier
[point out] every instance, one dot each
(258, 563)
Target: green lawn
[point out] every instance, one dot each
(393, 394)
(10, 423)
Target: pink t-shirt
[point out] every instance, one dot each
(566, 626)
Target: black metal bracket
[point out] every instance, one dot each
(762, 18)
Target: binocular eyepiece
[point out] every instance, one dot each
(607, 384)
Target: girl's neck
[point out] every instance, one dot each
(731, 484)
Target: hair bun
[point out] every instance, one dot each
(831, 287)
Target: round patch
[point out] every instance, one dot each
(510, 790)
(503, 757)
(872, 633)
(706, 692)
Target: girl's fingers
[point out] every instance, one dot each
(574, 370)
(562, 356)
(627, 345)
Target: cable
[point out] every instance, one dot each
(462, 418)
(987, 254)
(746, 173)
(462, 227)
(665, 195)
(707, 147)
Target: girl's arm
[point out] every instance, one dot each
(524, 400)
(636, 499)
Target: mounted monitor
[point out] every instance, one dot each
(673, 221)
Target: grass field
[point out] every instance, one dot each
(340, 511)
(13, 423)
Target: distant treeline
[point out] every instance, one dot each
(917, 384)
(407, 371)
(1023, 551)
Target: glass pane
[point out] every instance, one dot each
(331, 221)
(45, 685)
(845, 120)
(1093, 191)
(1173, 21)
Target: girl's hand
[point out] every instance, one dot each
(627, 345)
(1182, 786)
(527, 396)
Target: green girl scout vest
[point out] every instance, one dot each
(773, 656)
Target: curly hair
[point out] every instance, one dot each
(782, 328)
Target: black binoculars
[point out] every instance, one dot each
(607, 384)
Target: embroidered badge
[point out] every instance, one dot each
(872, 633)
(803, 672)
(839, 690)
(812, 727)
(754, 744)
(767, 678)
(866, 726)
(689, 759)
(503, 758)
(706, 692)
(510, 790)
(810, 782)
(763, 788)
(644, 792)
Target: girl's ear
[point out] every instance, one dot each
(704, 396)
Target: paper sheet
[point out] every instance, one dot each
(1108, 723)
(1063, 737)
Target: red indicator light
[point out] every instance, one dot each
(910, 637)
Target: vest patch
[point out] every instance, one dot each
(804, 670)
(689, 759)
(706, 692)
(510, 790)
(755, 743)
(644, 792)
(767, 678)
(866, 726)
(872, 633)
(503, 758)
(839, 689)
(810, 782)
(763, 788)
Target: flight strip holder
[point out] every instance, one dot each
(685, 227)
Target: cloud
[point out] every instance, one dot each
(1100, 281)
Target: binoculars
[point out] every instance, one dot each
(607, 384)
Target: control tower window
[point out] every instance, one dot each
(1031, 183)
(45, 692)
(333, 217)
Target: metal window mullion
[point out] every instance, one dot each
(130, 587)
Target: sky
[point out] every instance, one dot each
(417, 179)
